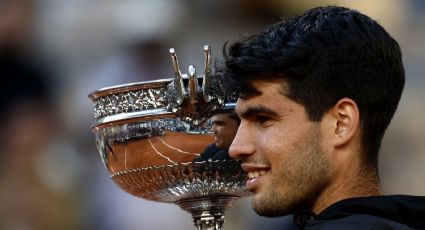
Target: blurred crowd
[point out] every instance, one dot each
(54, 53)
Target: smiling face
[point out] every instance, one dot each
(281, 151)
(224, 128)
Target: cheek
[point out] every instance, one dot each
(274, 140)
(273, 147)
(218, 130)
(232, 133)
(282, 148)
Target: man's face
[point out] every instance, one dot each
(224, 129)
(281, 151)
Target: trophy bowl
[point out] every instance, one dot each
(151, 136)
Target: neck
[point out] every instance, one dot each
(348, 183)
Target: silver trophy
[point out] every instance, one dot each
(150, 135)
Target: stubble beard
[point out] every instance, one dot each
(306, 173)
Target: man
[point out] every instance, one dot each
(316, 95)
(225, 125)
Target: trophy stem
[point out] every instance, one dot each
(209, 220)
(207, 212)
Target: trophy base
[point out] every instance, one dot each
(208, 212)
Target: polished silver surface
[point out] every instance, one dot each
(181, 182)
(151, 137)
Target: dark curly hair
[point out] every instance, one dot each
(326, 54)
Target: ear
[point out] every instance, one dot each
(344, 118)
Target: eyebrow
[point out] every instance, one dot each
(258, 110)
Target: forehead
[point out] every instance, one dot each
(220, 116)
(270, 101)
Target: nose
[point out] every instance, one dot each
(213, 128)
(243, 144)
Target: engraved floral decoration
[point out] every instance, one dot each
(130, 102)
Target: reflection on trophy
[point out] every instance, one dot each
(152, 137)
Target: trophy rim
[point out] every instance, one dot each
(116, 89)
(123, 118)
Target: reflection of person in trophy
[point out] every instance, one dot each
(317, 93)
(225, 125)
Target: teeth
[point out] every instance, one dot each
(255, 174)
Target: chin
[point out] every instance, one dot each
(269, 209)
(271, 212)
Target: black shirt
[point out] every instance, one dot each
(375, 212)
(213, 153)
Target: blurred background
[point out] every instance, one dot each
(53, 53)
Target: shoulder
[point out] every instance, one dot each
(358, 222)
(208, 153)
(374, 212)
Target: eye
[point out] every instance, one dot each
(219, 123)
(262, 119)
